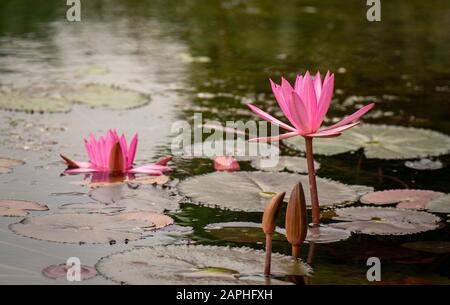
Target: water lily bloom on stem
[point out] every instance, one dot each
(305, 105)
(110, 153)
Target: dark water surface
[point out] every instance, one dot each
(181, 51)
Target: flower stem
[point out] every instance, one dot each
(268, 254)
(312, 181)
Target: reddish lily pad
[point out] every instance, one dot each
(325, 234)
(91, 228)
(55, 272)
(384, 221)
(406, 199)
(19, 208)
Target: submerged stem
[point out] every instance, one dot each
(312, 181)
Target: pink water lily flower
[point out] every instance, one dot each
(111, 154)
(305, 106)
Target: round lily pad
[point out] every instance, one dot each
(249, 191)
(91, 228)
(19, 208)
(384, 221)
(6, 165)
(381, 142)
(59, 98)
(439, 205)
(60, 271)
(144, 198)
(196, 265)
(239, 149)
(431, 246)
(293, 164)
(406, 199)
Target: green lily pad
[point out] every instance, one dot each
(242, 232)
(439, 205)
(196, 265)
(381, 142)
(59, 98)
(432, 246)
(245, 191)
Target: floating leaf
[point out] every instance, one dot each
(242, 232)
(60, 271)
(239, 149)
(139, 199)
(406, 199)
(143, 180)
(195, 265)
(381, 142)
(94, 70)
(431, 246)
(19, 208)
(244, 190)
(293, 164)
(7, 164)
(60, 98)
(384, 221)
(90, 228)
(439, 205)
(326, 234)
(424, 164)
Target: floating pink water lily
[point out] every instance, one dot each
(111, 154)
(305, 106)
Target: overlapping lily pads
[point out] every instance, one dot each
(59, 98)
(293, 164)
(439, 205)
(249, 191)
(196, 264)
(381, 142)
(406, 198)
(6, 165)
(19, 208)
(91, 228)
(384, 221)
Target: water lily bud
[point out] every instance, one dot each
(271, 212)
(296, 218)
(116, 158)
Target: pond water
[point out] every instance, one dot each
(214, 57)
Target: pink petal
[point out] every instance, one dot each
(318, 85)
(279, 97)
(132, 150)
(308, 96)
(275, 138)
(300, 114)
(123, 146)
(356, 115)
(270, 118)
(325, 99)
(333, 131)
(298, 83)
